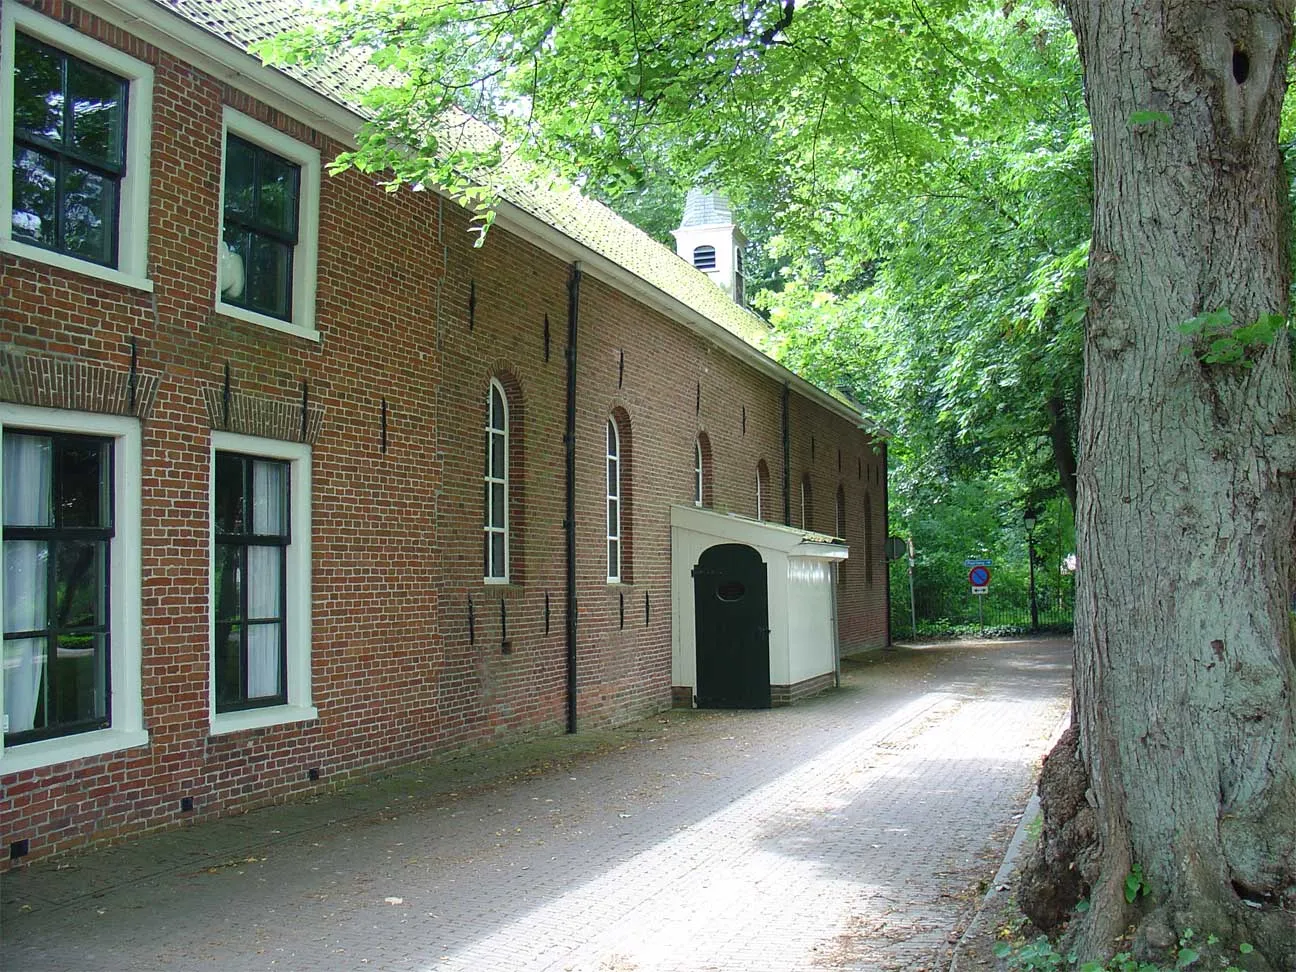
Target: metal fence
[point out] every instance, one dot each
(998, 610)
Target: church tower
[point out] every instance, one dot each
(708, 239)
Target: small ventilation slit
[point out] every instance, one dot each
(1241, 66)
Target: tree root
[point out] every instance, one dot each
(1059, 874)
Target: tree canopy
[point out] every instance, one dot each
(917, 172)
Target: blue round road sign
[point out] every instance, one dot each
(979, 576)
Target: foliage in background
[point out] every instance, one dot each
(916, 177)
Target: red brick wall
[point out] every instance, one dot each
(397, 535)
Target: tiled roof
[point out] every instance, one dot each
(244, 22)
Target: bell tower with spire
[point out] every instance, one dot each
(708, 239)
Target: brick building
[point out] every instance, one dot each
(288, 461)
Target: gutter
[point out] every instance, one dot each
(569, 522)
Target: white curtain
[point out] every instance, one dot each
(265, 579)
(27, 488)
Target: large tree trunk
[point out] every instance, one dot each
(1185, 674)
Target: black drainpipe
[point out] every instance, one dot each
(787, 458)
(886, 534)
(569, 524)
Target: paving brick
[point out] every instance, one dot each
(847, 833)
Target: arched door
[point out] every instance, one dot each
(731, 600)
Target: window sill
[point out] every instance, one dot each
(265, 320)
(275, 715)
(84, 267)
(49, 752)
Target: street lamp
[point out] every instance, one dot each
(1029, 520)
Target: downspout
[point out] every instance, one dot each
(886, 534)
(569, 523)
(787, 459)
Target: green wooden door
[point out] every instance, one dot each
(731, 600)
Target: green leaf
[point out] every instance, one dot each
(1187, 956)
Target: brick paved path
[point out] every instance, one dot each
(849, 832)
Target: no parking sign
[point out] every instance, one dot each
(979, 578)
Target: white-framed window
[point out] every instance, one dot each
(704, 257)
(740, 282)
(260, 673)
(613, 502)
(495, 552)
(698, 485)
(269, 227)
(70, 588)
(74, 158)
(762, 488)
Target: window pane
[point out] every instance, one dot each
(98, 112)
(265, 583)
(613, 486)
(26, 585)
(270, 498)
(229, 582)
(614, 562)
(497, 554)
(267, 270)
(229, 664)
(263, 661)
(611, 439)
(34, 198)
(83, 483)
(81, 581)
(497, 457)
(24, 682)
(89, 215)
(230, 514)
(240, 179)
(28, 480)
(80, 678)
(497, 505)
(496, 420)
(38, 90)
(613, 519)
(277, 205)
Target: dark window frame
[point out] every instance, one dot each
(243, 542)
(53, 535)
(236, 224)
(65, 154)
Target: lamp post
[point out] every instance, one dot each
(1029, 521)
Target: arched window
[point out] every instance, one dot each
(496, 519)
(868, 540)
(697, 473)
(807, 504)
(762, 488)
(704, 257)
(702, 470)
(613, 501)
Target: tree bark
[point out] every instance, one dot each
(1064, 457)
(1185, 673)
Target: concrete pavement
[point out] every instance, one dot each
(853, 831)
